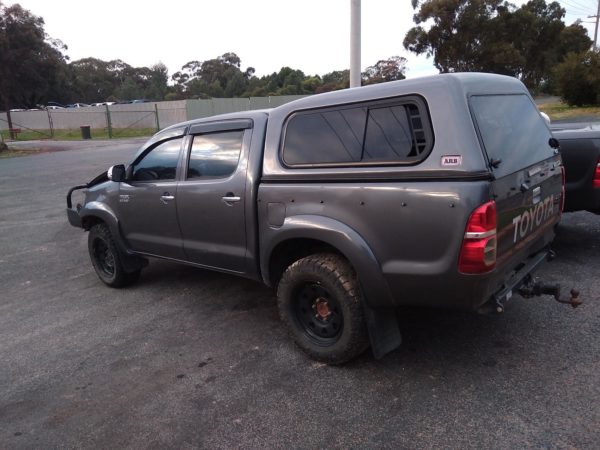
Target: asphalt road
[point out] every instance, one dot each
(189, 358)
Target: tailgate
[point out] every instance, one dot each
(528, 205)
(528, 185)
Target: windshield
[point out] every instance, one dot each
(512, 131)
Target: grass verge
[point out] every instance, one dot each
(75, 135)
(562, 111)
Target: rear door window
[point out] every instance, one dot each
(512, 131)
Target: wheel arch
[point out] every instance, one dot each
(301, 236)
(95, 212)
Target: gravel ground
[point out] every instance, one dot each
(189, 358)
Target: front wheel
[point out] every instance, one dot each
(320, 302)
(106, 258)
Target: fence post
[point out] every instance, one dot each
(11, 133)
(50, 123)
(108, 123)
(157, 122)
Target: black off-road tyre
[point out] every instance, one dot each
(106, 258)
(320, 302)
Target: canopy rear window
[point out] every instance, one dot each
(392, 132)
(512, 131)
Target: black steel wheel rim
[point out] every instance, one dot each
(105, 260)
(318, 313)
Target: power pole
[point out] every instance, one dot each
(355, 42)
(597, 17)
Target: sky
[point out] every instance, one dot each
(310, 35)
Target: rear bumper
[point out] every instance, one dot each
(452, 290)
(515, 281)
(580, 199)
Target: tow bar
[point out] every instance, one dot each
(531, 289)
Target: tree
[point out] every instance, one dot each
(216, 77)
(158, 82)
(32, 65)
(333, 81)
(495, 36)
(95, 80)
(390, 69)
(457, 33)
(578, 78)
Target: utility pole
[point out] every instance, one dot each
(355, 42)
(597, 17)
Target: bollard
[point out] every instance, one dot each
(86, 132)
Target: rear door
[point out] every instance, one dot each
(211, 196)
(528, 182)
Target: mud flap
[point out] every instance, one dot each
(384, 332)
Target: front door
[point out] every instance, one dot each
(210, 199)
(147, 203)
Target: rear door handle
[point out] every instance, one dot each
(166, 198)
(231, 198)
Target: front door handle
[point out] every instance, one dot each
(166, 198)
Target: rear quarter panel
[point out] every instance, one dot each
(414, 229)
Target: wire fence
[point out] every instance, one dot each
(121, 121)
(65, 124)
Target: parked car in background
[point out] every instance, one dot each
(78, 105)
(55, 105)
(580, 150)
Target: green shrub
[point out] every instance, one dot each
(578, 78)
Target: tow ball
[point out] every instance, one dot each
(531, 289)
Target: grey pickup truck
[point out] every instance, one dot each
(439, 192)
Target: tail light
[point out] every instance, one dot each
(597, 176)
(562, 190)
(478, 251)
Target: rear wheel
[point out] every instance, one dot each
(320, 302)
(106, 258)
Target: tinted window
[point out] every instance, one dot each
(370, 134)
(512, 131)
(215, 155)
(389, 135)
(160, 163)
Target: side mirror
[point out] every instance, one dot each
(546, 117)
(117, 173)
